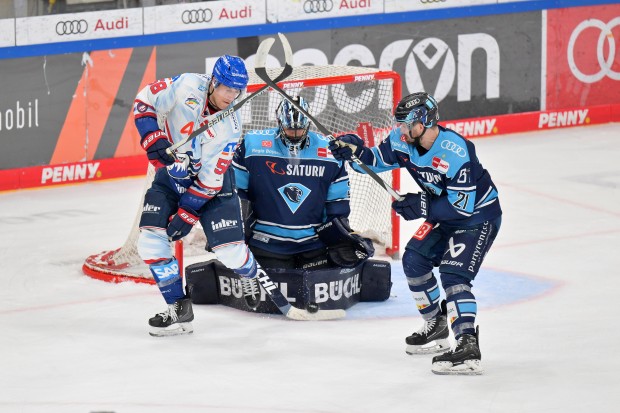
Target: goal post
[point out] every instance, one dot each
(345, 99)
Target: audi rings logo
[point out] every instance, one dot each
(453, 147)
(318, 6)
(71, 27)
(605, 64)
(197, 16)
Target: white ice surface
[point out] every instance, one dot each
(69, 343)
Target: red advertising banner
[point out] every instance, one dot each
(583, 56)
(77, 172)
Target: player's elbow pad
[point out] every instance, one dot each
(146, 125)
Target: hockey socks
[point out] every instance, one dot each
(168, 278)
(425, 292)
(462, 309)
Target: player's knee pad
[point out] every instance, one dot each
(233, 255)
(461, 303)
(153, 245)
(416, 265)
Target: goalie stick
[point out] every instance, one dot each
(219, 116)
(262, 73)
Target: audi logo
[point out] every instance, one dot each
(318, 6)
(71, 27)
(431, 1)
(453, 147)
(197, 16)
(604, 64)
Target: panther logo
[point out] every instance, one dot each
(293, 193)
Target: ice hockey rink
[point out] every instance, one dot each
(548, 309)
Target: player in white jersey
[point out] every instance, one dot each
(194, 185)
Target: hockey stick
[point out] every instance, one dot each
(262, 73)
(219, 116)
(288, 310)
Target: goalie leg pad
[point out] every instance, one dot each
(201, 283)
(376, 281)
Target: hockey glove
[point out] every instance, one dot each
(185, 167)
(345, 146)
(181, 223)
(155, 145)
(414, 206)
(345, 248)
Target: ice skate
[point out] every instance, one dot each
(251, 291)
(464, 359)
(174, 321)
(432, 337)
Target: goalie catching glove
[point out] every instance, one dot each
(345, 248)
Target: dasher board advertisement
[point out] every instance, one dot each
(80, 26)
(7, 32)
(395, 6)
(295, 10)
(583, 56)
(203, 15)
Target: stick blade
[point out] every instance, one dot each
(286, 46)
(263, 51)
(295, 313)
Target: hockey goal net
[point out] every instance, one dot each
(345, 99)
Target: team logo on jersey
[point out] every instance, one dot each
(440, 164)
(266, 144)
(192, 101)
(274, 168)
(141, 107)
(294, 195)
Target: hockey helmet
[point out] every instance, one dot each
(417, 107)
(230, 71)
(289, 117)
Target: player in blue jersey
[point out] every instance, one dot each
(194, 185)
(460, 208)
(299, 196)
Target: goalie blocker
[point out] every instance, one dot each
(333, 288)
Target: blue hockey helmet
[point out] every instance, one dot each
(289, 117)
(230, 71)
(417, 107)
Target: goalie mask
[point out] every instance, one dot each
(418, 107)
(293, 125)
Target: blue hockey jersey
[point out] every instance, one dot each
(461, 190)
(290, 196)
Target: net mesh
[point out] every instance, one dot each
(344, 99)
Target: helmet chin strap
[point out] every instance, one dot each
(416, 140)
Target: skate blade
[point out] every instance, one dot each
(434, 347)
(176, 329)
(467, 368)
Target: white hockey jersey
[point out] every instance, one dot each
(180, 105)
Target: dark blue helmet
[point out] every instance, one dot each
(417, 107)
(230, 71)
